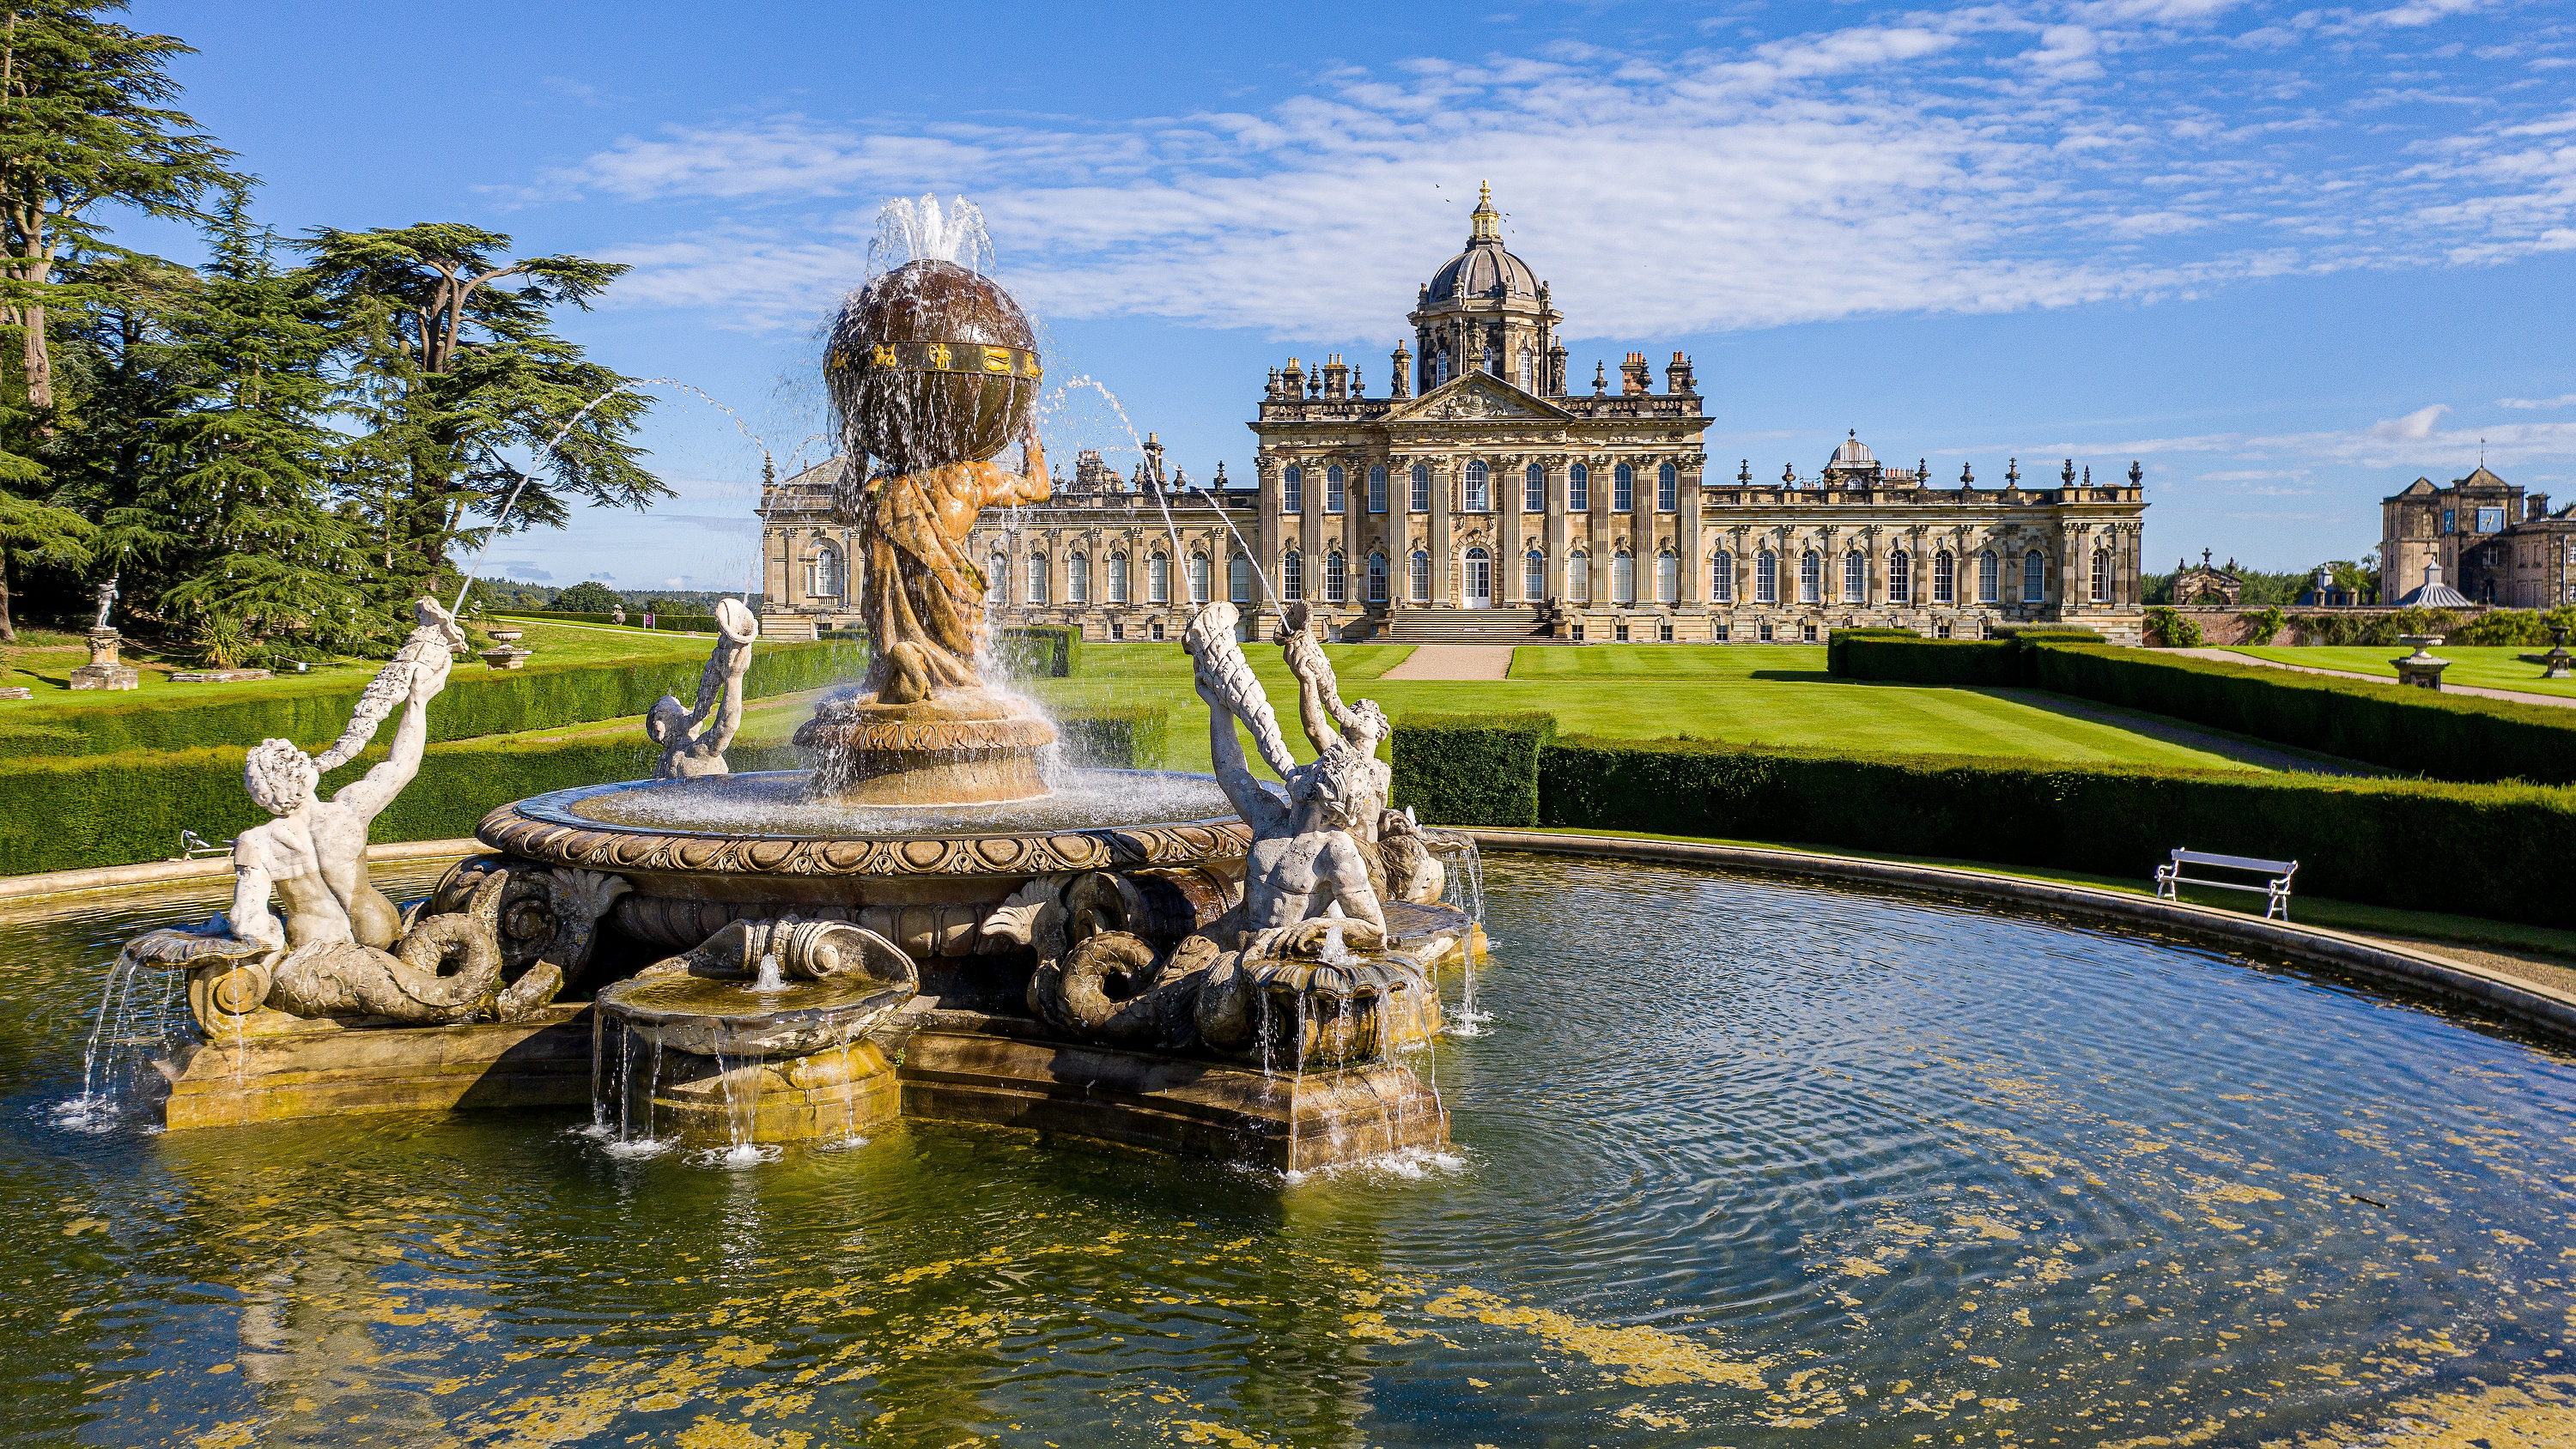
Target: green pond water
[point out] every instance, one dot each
(1740, 1162)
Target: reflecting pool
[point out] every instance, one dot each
(1737, 1157)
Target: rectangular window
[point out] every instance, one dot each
(2447, 517)
(1623, 489)
(1292, 490)
(1421, 499)
(1377, 489)
(1766, 633)
(1334, 494)
(1900, 578)
(1578, 489)
(1721, 578)
(2490, 520)
(1619, 631)
(1667, 489)
(1719, 634)
(1534, 489)
(1766, 578)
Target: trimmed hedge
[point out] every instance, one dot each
(2359, 840)
(482, 702)
(2446, 736)
(1038, 651)
(1955, 662)
(1834, 643)
(678, 623)
(1117, 739)
(1471, 769)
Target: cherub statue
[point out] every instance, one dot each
(1409, 871)
(106, 602)
(693, 741)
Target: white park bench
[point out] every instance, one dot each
(2275, 888)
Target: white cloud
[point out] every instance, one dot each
(1962, 162)
(2414, 427)
(2563, 400)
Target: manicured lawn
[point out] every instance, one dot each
(2488, 667)
(1666, 661)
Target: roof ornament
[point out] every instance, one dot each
(2137, 475)
(1967, 478)
(1744, 471)
(1486, 224)
(2068, 476)
(2012, 472)
(1788, 473)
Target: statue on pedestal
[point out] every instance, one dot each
(693, 740)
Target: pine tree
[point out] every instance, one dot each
(452, 376)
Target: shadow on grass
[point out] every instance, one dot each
(2243, 749)
(1802, 676)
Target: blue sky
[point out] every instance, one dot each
(2288, 258)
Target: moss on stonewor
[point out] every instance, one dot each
(2354, 839)
(1471, 769)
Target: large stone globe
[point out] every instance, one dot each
(932, 364)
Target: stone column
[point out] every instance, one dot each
(1444, 477)
(1507, 533)
(1686, 534)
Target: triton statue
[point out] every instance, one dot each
(693, 740)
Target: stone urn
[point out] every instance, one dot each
(2420, 669)
(2557, 663)
(505, 633)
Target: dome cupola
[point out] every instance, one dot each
(1484, 271)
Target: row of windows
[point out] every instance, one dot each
(1854, 583)
(1479, 490)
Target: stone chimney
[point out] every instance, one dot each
(1403, 386)
(1677, 376)
(1635, 378)
(1337, 377)
(2535, 505)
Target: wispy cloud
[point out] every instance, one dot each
(2563, 400)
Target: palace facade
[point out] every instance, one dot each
(1483, 499)
(2484, 537)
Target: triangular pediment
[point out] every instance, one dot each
(1475, 398)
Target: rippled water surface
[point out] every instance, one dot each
(1737, 1157)
(773, 802)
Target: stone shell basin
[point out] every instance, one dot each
(703, 852)
(721, 1016)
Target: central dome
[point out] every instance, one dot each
(1484, 271)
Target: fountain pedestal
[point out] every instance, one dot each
(321, 1068)
(963, 747)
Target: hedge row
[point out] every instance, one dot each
(1038, 651)
(1481, 769)
(1114, 738)
(77, 811)
(679, 623)
(475, 703)
(1959, 663)
(2446, 736)
(2360, 840)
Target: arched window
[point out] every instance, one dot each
(1533, 576)
(1578, 577)
(1158, 579)
(1037, 576)
(1479, 492)
(1900, 578)
(1292, 489)
(1811, 577)
(1077, 579)
(1118, 578)
(1668, 577)
(1945, 578)
(1855, 577)
(1766, 577)
(1989, 578)
(1479, 578)
(1533, 489)
(997, 577)
(1418, 569)
(1292, 576)
(1238, 579)
(1376, 577)
(1420, 501)
(1623, 489)
(1623, 578)
(1337, 581)
(2034, 577)
(1199, 577)
(823, 573)
(1721, 578)
(1335, 495)
(1377, 488)
(1668, 488)
(1578, 489)
(1529, 371)
(2101, 576)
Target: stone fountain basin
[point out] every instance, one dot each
(755, 838)
(712, 1016)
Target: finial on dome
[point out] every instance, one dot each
(1486, 224)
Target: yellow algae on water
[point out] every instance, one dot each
(1988, 1226)
(1863, 1268)
(710, 1433)
(1649, 1355)
(1200, 1431)
(1640, 1414)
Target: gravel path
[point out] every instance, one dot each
(2230, 656)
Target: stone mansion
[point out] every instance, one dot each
(1484, 499)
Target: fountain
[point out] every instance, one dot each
(927, 922)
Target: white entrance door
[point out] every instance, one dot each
(1480, 579)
